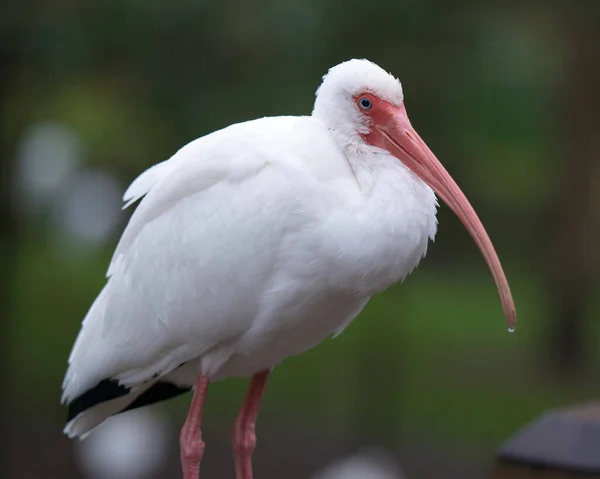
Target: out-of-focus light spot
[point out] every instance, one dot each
(46, 157)
(132, 445)
(371, 464)
(89, 208)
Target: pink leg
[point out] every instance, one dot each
(244, 435)
(190, 439)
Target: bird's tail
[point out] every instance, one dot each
(86, 421)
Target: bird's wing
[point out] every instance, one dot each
(193, 169)
(189, 272)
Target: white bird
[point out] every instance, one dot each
(255, 243)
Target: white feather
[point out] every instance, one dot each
(144, 183)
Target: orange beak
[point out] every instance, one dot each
(394, 133)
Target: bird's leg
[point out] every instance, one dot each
(190, 439)
(244, 435)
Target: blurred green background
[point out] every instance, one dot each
(505, 93)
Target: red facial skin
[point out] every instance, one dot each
(391, 130)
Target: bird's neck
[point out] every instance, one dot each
(390, 190)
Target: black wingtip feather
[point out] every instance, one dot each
(158, 392)
(108, 389)
(105, 390)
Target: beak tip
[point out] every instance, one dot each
(511, 319)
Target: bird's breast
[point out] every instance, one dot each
(380, 239)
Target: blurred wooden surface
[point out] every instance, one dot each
(560, 444)
(514, 471)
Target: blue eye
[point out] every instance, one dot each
(365, 103)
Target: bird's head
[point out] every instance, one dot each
(364, 106)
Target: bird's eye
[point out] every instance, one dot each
(365, 103)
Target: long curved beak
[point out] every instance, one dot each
(401, 140)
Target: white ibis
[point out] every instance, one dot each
(256, 242)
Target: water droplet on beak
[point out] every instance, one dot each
(511, 330)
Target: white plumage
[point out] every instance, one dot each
(252, 244)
